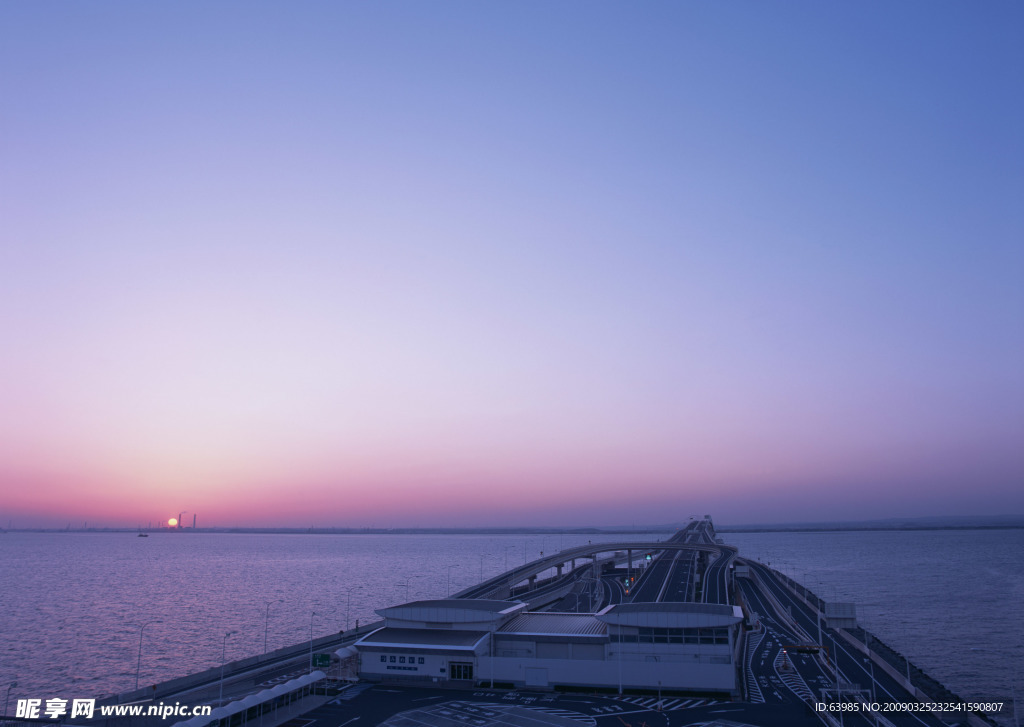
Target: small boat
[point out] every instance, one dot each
(143, 535)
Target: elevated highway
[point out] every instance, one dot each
(625, 555)
(787, 655)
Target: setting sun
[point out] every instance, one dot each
(173, 522)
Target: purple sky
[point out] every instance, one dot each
(521, 263)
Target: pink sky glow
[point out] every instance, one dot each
(396, 265)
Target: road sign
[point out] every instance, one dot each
(320, 660)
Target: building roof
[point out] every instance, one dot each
(436, 638)
(449, 612)
(670, 607)
(672, 615)
(471, 604)
(555, 623)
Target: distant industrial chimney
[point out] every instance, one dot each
(193, 521)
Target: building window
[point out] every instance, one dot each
(461, 670)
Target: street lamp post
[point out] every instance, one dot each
(7, 701)
(223, 659)
(405, 585)
(311, 615)
(1013, 696)
(620, 658)
(266, 624)
(507, 548)
(835, 660)
(138, 665)
(348, 604)
(871, 664)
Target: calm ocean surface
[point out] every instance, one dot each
(72, 605)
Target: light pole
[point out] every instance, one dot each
(7, 701)
(1013, 696)
(871, 664)
(138, 665)
(223, 659)
(903, 629)
(311, 615)
(406, 586)
(266, 624)
(620, 658)
(348, 604)
(835, 662)
(507, 548)
(449, 589)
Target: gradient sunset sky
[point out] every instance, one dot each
(520, 263)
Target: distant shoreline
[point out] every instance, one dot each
(866, 528)
(357, 531)
(514, 531)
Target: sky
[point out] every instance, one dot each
(470, 264)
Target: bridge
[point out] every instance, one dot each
(623, 555)
(688, 616)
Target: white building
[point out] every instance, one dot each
(675, 646)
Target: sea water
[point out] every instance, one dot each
(73, 605)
